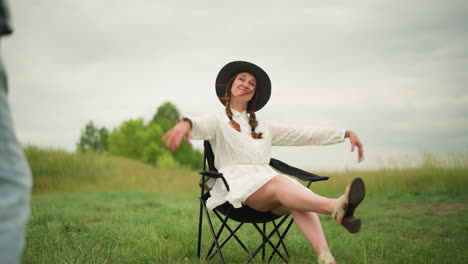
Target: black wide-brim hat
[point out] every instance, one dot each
(263, 83)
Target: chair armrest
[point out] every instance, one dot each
(211, 174)
(293, 171)
(215, 175)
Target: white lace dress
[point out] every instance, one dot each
(244, 160)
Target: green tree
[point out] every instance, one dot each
(188, 155)
(137, 140)
(93, 138)
(167, 161)
(154, 147)
(166, 116)
(133, 139)
(129, 139)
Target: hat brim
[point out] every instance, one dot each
(263, 83)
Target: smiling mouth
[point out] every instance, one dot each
(245, 91)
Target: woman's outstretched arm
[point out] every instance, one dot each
(203, 127)
(174, 136)
(287, 135)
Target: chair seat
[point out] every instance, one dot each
(244, 214)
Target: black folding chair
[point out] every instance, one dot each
(245, 214)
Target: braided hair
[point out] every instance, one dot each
(250, 109)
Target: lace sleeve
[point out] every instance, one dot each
(204, 127)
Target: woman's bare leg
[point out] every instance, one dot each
(280, 190)
(310, 226)
(303, 203)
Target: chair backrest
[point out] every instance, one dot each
(209, 156)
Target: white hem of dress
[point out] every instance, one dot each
(210, 204)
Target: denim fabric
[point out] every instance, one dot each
(15, 185)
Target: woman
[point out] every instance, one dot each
(242, 147)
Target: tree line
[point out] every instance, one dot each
(140, 140)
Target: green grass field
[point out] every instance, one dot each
(99, 209)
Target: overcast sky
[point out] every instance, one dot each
(396, 72)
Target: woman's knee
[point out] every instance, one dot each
(279, 180)
(267, 195)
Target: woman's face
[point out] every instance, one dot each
(243, 86)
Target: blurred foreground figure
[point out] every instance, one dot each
(15, 176)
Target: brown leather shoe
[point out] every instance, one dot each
(346, 205)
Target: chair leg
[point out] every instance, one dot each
(281, 237)
(227, 239)
(233, 233)
(210, 224)
(263, 248)
(211, 254)
(220, 231)
(200, 219)
(267, 238)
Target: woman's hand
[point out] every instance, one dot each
(355, 142)
(174, 136)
